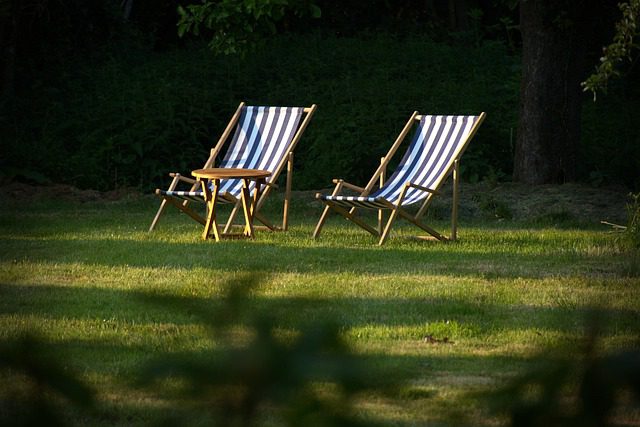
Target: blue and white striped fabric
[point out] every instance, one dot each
(436, 144)
(261, 141)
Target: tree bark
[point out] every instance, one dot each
(553, 59)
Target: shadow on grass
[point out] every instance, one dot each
(164, 319)
(465, 317)
(270, 381)
(273, 381)
(308, 375)
(310, 378)
(501, 258)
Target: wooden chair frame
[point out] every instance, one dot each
(379, 177)
(287, 161)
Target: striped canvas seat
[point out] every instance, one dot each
(432, 155)
(261, 141)
(255, 138)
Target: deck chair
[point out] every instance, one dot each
(255, 138)
(432, 156)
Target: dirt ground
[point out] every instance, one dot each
(19, 192)
(579, 202)
(548, 203)
(502, 201)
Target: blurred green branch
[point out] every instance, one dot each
(36, 401)
(623, 44)
(236, 26)
(589, 389)
(307, 376)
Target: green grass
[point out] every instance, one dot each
(110, 297)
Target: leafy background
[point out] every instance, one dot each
(105, 104)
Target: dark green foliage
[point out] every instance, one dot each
(621, 49)
(131, 119)
(119, 123)
(238, 26)
(610, 150)
(39, 38)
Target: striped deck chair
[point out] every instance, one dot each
(434, 154)
(255, 138)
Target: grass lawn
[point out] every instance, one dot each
(449, 321)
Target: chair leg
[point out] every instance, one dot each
(394, 214)
(325, 212)
(185, 209)
(163, 204)
(383, 177)
(387, 228)
(429, 230)
(246, 208)
(211, 223)
(287, 193)
(232, 216)
(414, 220)
(353, 218)
(257, 215)
(323, 218)
(454, 207)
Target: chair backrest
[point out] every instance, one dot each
(437, 143)
(263, 138)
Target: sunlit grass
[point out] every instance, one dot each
(110, 296)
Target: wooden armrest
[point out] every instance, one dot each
(420, 187)
(349, 185)
(183, 178)
(271, 184)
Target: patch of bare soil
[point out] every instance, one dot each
(551, 202)
(505, 201)
(19, 192)
(502, 201)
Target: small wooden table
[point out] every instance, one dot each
(214, 175)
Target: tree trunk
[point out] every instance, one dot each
(553, 57)
(458, 12)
